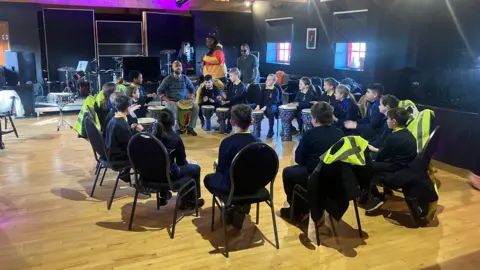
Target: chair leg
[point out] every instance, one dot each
(333, 226)
(13, 125)
(224, 218)
(274, 224)
(258, 212)
(113, 192)
(175, 216)
(317, 234)
(6, 120)
(360, 232)
(97, 173)
(292, 206)
(196, 199)
(133, 210)
(212, 227)
(103, 177)
(158, 201)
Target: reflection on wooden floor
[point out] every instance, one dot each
(47, 220)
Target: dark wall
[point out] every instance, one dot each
(234, 29)
(23, 27)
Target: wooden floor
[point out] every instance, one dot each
(48, 221)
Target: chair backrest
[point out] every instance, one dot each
(430, 147)
(253, 168)
(254, 93)
(149, 159)
(95, 137)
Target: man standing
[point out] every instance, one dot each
(175, 87)
(248, 66)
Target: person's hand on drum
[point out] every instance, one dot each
(211, 100)
(205, 99)
(152, 95)
(313, 102)
(224, 96)
(139, 128)
(264, 108)
(134, 107)
(190, 96)
(257, 108)
(350, 124)
(292, 104)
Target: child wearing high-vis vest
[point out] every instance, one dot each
(399, 150)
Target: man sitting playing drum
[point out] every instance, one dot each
(176, 87)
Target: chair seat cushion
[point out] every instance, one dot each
(259, 196)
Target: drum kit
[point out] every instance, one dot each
(67, 84)
(168, 53)
(61, 99)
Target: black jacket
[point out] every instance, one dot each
(331, 187)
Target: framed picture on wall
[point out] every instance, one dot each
(311, 38)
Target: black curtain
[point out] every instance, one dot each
(69, 38)
(350, 27)
(279, 30)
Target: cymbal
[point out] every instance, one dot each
(168, 52)
(67, 69)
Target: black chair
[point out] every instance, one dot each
(151, 164)
(302, 193)
(98, 146)
(8, 117)
(252, 169)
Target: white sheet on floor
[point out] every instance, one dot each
(6, 102)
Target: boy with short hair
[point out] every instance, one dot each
(313, 144)
(118, 134)
(209, 95)
(235, 93)
(399, 151)
(270, 99)
(373, 120)
(387, 102)
(220, 180)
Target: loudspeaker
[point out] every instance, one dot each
(23, 64)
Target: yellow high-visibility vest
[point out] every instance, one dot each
(420, 128)
(408, 104)
(352, 151)
(89, 102)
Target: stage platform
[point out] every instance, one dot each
(46, 107)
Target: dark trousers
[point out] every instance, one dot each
(299, 120)
(270, 114)
(292, 176)
(192, 171)
(381, 170)
(215, 183)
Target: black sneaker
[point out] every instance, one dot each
(270, 134)
(190, 131)
(190, 205)
(387, 192)
(363, 199)
(164, 199)
(238, 218)
(125, 176)
(374, 204)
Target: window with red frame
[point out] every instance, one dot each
(356, 55)
(283, 52)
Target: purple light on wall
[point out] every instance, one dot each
(151, 4)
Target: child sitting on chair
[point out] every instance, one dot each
(399, 150)
(387, 102)
(329, 85)
(220, 180)
(347, 109)
(372, 123)
(303, 100)
(179, 165)
(270, 99)
(313, 144)
(235, 93)
(209, 95)
(118, 134)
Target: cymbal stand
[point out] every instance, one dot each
(61, 122)
(67, 87)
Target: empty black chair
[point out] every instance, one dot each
(98, 146)
(252, 169)
(151, 164)
(8, 117)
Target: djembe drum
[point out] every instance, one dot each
(287, 113)
(148, 124)
(154, 111)
(257, 122)
(222, 114)
(184, 109)
(307, 119)
(154, 103)
(207, 111)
